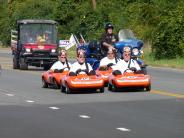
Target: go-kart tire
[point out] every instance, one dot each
(114, 88)
(148, 88)
(68, 90)
(56, 86)
(44, 84)
(102, 90)
(63, 89)
(16, 64)
(109, 87)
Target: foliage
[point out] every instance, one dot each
(168, 36)
(158, 21)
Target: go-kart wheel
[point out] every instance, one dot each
(63, 89)
(109, 87)
(102, 90)
(114, 88)
(68, 91)
(55, 84)
(148, 88)
(44, 83)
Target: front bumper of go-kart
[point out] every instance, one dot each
(138, 80)
(84, 82)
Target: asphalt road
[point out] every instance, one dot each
(28, 110)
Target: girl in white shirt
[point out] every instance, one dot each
(62, 63)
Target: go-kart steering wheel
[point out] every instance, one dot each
(103, 68)
(110, 64)
(80, 70)
(133, 69)
(60, 70)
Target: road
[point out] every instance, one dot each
(28, 110)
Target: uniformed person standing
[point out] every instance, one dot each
(108, 39)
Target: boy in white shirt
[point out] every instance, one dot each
(127, 64)
(81, 66)
(110, 60)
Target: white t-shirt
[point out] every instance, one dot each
(59, 65)
(122, 65)
(105, 61)
(76, 66)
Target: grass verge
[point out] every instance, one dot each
(173, 63)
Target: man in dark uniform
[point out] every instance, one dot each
(108, 39)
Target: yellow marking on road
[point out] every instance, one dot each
(168, 94)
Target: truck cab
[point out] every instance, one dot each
(34, 43)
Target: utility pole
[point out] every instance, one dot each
(94, 4)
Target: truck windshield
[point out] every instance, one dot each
(30, 33)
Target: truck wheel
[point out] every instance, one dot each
(23, 64)
(15, 63)
(46, 67)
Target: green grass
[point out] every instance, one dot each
(173, 63)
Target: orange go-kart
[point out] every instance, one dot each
(86, 82)
(104, 72)
(52, 78)
(129, 80)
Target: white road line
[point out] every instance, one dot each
(84, 116)
(9, 94)
(54, 108)
(29, 101)
(123, 129)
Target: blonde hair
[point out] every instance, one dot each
(63, 52)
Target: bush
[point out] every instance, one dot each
(168, 38)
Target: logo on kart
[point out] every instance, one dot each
(84, 78)
(131, 77)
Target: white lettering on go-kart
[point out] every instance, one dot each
(84, 78)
